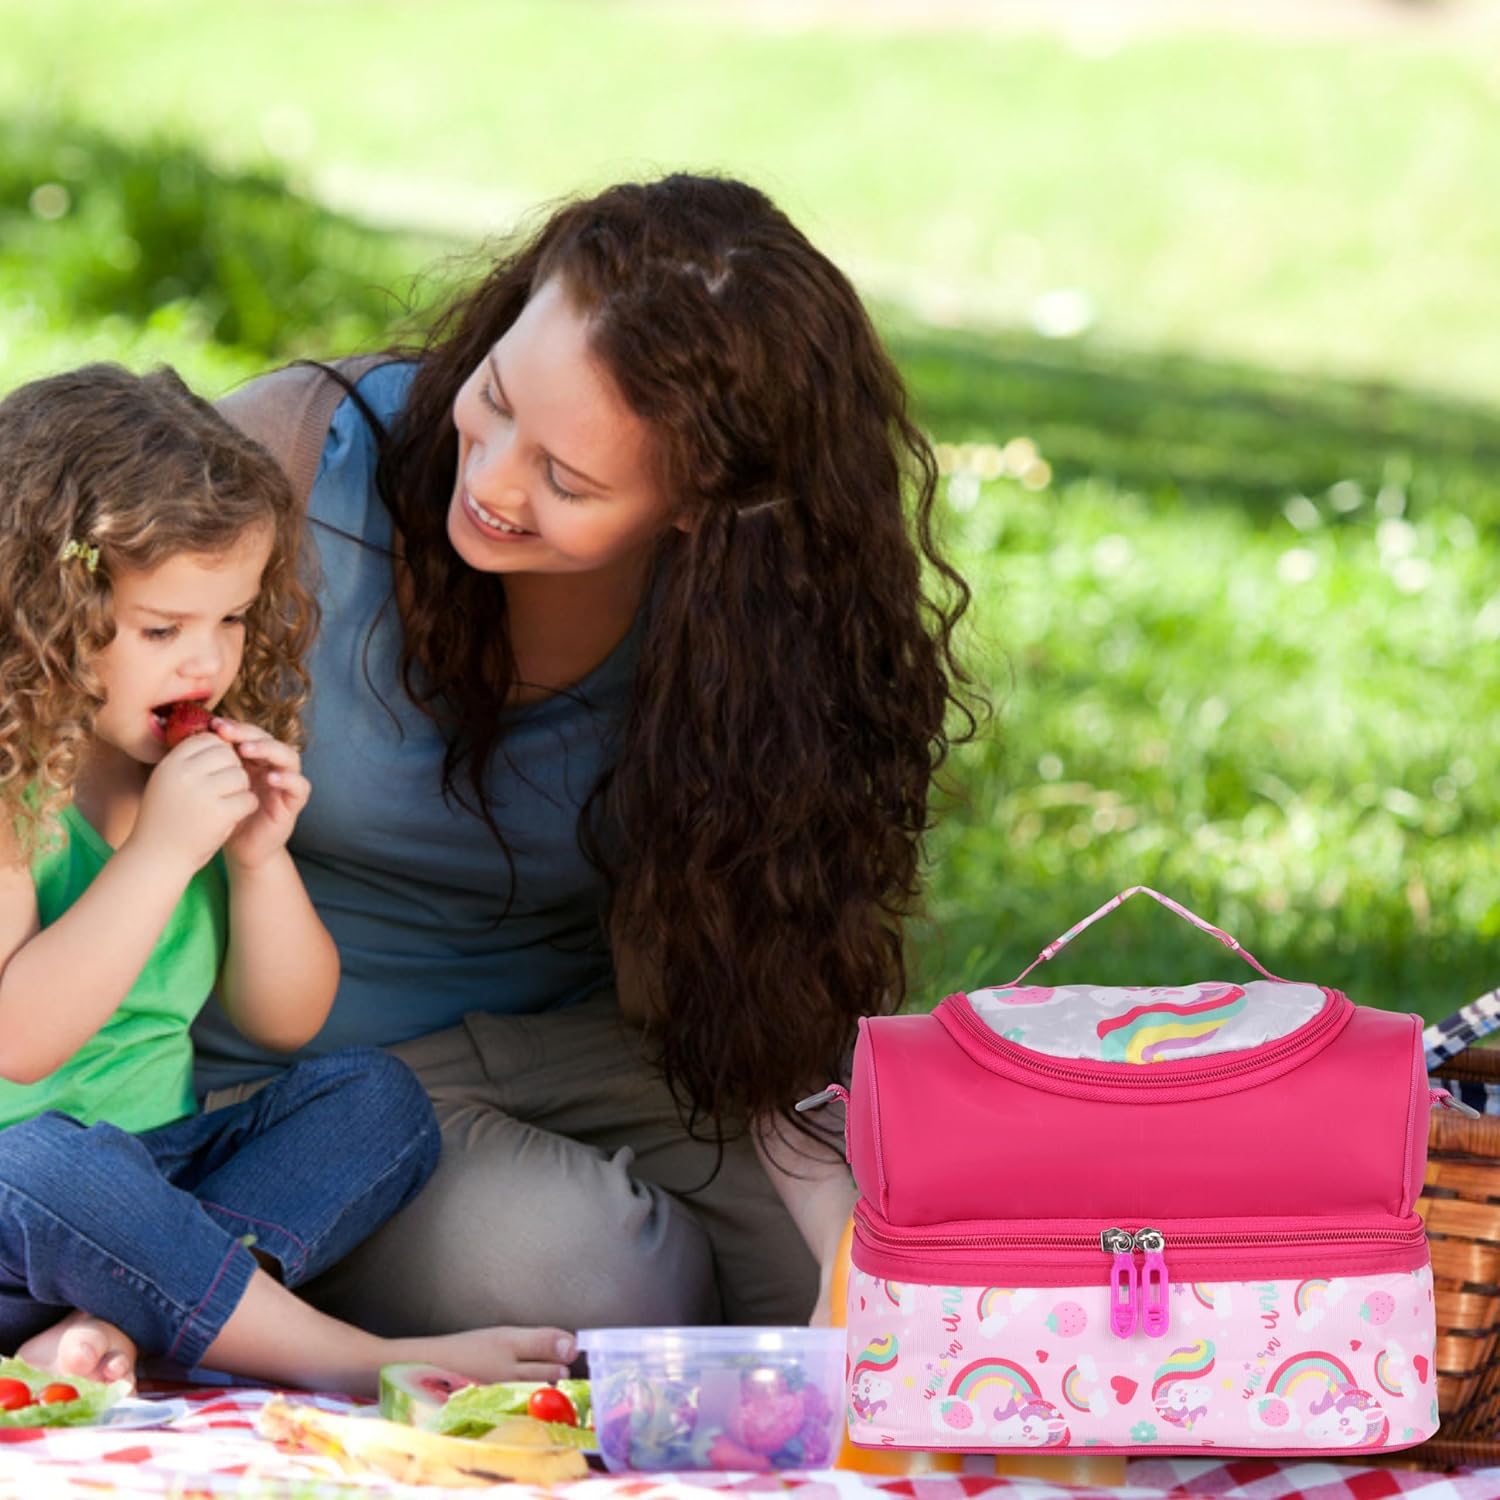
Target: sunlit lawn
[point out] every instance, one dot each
(1325, 205)
(1239, 625)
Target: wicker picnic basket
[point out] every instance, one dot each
(1461, 1207)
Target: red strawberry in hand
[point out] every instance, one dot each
(185, 720)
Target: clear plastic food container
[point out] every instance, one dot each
(716, 1398)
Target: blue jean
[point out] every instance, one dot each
(153, 1231)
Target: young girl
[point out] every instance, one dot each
(148, 558)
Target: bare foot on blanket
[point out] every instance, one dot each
(80, 1345)
(491, 1354)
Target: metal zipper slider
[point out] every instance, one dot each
(1442, 1099)
(1154, 1286)
(1123, 1289)
(822, 1097)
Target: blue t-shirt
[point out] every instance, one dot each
(412, 887)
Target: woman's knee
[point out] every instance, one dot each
(518, 1226)
(637, 1257)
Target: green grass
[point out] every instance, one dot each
(1243, 648)
(144, 251)
(1241, 632)
(1325, 206)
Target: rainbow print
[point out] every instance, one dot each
(998, 1304)
(1309, 1296)
(878, 1355)
(1203, 1292)
(896, 1292)
(1308, 1376)
(1312, 1300)
(1190, 1362)
(1075, 1389)
(1001, 1378)
(1388, 1366)
(1162, 1029)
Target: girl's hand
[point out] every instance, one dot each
(196, 797)
(280, 788)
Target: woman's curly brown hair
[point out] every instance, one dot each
(762, 824)
(141, 469)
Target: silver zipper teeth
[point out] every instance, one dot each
(1326, 1019)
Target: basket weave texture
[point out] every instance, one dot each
(1461, 1207)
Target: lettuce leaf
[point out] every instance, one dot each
(93, 1400)
(473, 1411)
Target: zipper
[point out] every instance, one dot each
(1329, 1018)
(1153, 1284)
(1139, 1294)
(1124, 1284)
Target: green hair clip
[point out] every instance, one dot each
(86, 554)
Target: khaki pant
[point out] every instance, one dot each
(568, 1193)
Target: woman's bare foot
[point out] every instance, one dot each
(491, 1354)
(80, 1345)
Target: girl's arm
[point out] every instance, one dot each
(281, 968)
(60, 983)
(815, 1185)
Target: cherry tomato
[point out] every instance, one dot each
(51, 1395)
(552, 1405)
(14, 1394)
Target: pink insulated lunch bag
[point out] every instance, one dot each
(1140, 1219)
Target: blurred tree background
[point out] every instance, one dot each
(1204, 321)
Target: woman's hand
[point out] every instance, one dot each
(281, 792)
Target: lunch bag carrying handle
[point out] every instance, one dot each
(1057, 944)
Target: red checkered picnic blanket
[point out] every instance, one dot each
(203, 1444)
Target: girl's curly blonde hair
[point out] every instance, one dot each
(143, 470)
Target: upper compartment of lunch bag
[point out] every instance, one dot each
(1222, 1099)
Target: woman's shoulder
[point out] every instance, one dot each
(377, 396)
(344, 481)
(302, 410)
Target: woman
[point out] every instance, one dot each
(627, 698)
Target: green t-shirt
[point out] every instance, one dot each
(136, 1071)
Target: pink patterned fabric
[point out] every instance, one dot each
(1288, 1364)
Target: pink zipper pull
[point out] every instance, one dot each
(1155, 1285)
(1123, 1288)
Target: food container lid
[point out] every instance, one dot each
(710, 1340)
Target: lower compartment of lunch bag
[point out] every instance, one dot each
(1286, 1366)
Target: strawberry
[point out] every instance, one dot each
(1378, 1307)
(185, 720)
(1067, 1320)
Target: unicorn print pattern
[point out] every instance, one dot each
(1301, 1364)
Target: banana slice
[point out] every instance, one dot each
(408, 1454)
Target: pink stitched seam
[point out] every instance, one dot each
(192, 1317)
(1413, 1120)
(880, 1177)
(234, 1213)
